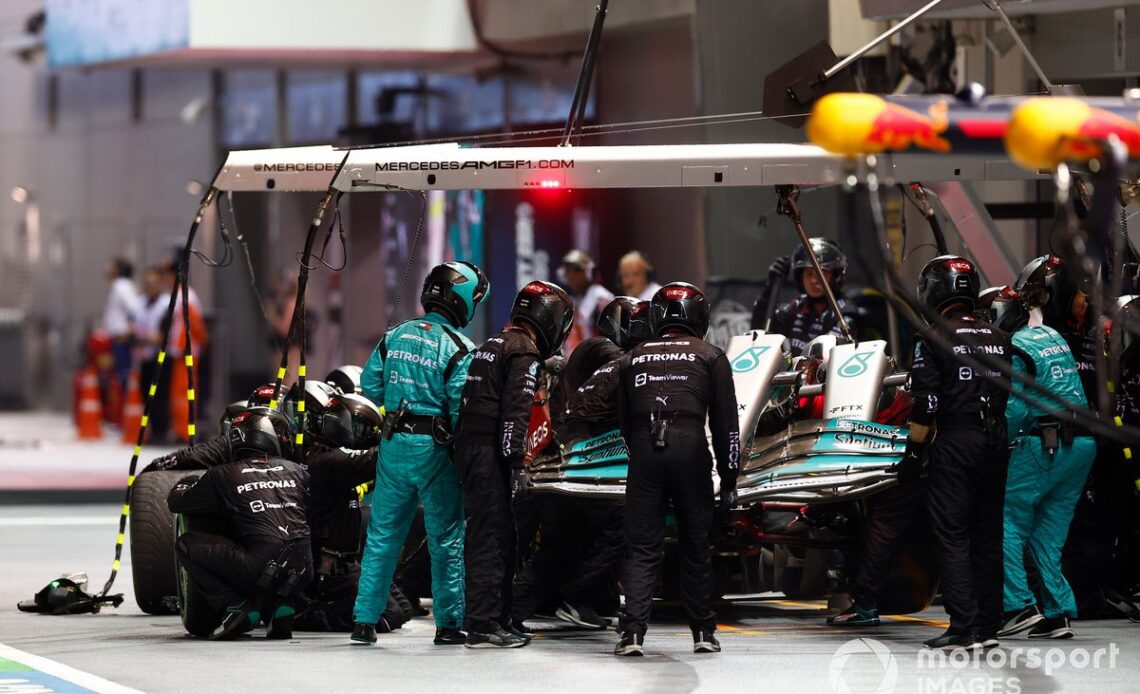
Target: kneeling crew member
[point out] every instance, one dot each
(958, 421)
(263, 494)
(490, 447)
(668, 387)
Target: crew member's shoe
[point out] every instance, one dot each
(238, 620)
(517, 627)
(855, 616)
(989, 640)
(364, 633)
(1052, 628)
(631, 643)
(499, 638)
(1018, 621)
(950, 641)
(583, 616)
(281, 623)
(449, 636)
(704, 641)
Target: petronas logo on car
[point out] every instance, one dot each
(855, 365)
(748, 360)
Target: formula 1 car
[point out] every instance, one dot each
(819, 441)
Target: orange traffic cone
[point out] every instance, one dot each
(132, 409)
(90, 407)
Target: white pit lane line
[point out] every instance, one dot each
(32, 521)
(43, 676)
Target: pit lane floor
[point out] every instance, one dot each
(770, 645)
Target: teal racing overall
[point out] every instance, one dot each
(1047, 470)
(419, 369)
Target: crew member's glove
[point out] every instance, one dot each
(727, 498)
(166, 462)
(912, 463)
(780, 267)
(519, 483)
(554, 364)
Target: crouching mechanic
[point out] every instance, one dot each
(668, 388)
(490, 447)
(1048, 467)
(340, 457)
(263, 494)
(416, 374)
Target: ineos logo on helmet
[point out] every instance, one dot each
(547, 309)
(946, 280)
(679, 306)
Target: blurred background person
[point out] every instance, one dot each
(119, 314)
(589, 295)
(636, 274)
(148, 340)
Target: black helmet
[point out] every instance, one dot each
(1124, 332)
(679, 306)
(546, 308)
(830, 257)
(1048, 283)
(454, 289)
(1008, 311)
(948, 279)
(261, 431)
(639, 327)
(616, 320)
(351, 421)
(317, 397)
(231, 411)
(346, 378)
(983, 308)
(264, 394)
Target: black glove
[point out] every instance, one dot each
(519, 483)
(727, 498)
(555, 364)
(913, 462)
(166, 462)
(780, 267)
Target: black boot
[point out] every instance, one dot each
(499, 638)
(449, 636)
(364, 633)
(281, 623)
(239, 619)
(631, 643)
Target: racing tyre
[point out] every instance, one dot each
(198, 618)
(151, 523)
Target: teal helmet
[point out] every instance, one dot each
(453, 290)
